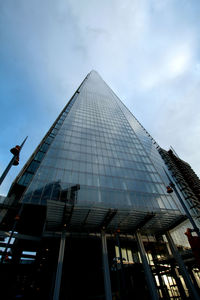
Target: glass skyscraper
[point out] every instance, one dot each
(96, 172)
(97, 143)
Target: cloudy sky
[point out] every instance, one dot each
(148, 52)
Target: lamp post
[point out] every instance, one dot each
(14, 161)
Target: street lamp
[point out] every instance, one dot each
(14, 161)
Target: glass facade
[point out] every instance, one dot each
(97, 143)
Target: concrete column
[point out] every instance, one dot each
(147, 269)
(192, 291)
(106, 271)
(59, 266)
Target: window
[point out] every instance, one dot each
(33, 166)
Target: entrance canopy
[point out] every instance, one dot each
(96, 218)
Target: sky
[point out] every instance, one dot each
(147, 51)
